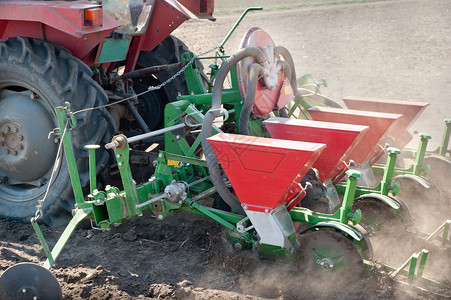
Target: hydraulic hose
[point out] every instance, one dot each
(254, 72)
(289, 60)
(210, 116)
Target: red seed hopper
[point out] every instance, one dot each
(379, 124)
(264, 172)
(340, 140)
(409, 110)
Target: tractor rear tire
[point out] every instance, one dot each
(152, 104)
(36, 77)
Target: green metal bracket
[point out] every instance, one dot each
(388, 174)
(237, 23)
(80, 215)
(384, 187)
(92, 167)
(275, 252)
(445, 139)
(412, 263)
(122, 157)
(418, 165)
(348, 198)
(65, 116)
(342, 215)
(193, 78)
(445, 227)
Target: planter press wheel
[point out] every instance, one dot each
(430, 202)
(29, 281)
(328, 254)
(440, 168)
(379, 218)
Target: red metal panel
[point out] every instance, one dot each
(340, 140)
(67, 16)
(59, 22)
(166, 17)
(262, 170)
(409, 110)
(195, 6)
(378, 123)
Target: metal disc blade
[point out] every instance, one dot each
(29, 281)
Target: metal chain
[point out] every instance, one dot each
(153, 88)
(38, 214)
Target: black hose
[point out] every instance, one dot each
(289, 60)
(249, 101)
(294, 85)
(210, 116)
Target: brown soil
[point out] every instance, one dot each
(389, 49)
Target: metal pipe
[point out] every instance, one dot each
(144, 136)
(151, 70)
(198, 181)
(154, 133)
(142, 124)
(158, 198)
(237, 23)
(92, 166)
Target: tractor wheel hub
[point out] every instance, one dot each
(10, 139)
(25, 152)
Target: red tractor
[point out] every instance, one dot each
(52, 52)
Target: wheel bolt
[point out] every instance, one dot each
(2, 143)
(15, 129)
(14, 152)
(7, 151)
(20, 147)
(7, 128)
(20, 137)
